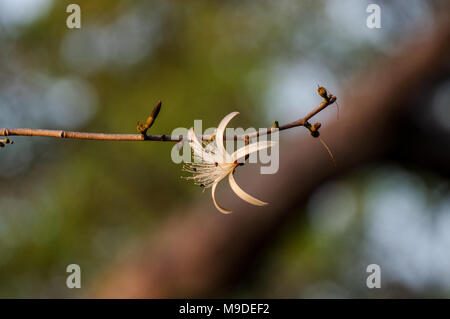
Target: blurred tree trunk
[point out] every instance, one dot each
(198, 251)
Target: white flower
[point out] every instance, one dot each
(212, 163)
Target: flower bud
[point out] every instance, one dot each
(323, 92)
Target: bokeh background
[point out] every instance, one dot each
(100, 204)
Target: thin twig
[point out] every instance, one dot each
(162, 138)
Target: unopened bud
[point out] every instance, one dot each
(315, 126)
(143, 128)
(322, 92)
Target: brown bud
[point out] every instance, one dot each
(315, 126)
(143, 128)
(154, 114)
(322, 92)
(313, 129)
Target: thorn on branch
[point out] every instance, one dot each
(143, 128)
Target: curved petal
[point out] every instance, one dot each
(248, 149)
(220, 208)
(197, 147)
(248, 198)
(220, 131)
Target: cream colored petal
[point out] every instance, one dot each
(193, 139)
(248, 198)
(219, 134)
(248, 149)
(220, 208)
(197, 146)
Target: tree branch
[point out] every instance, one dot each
(328, 100)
